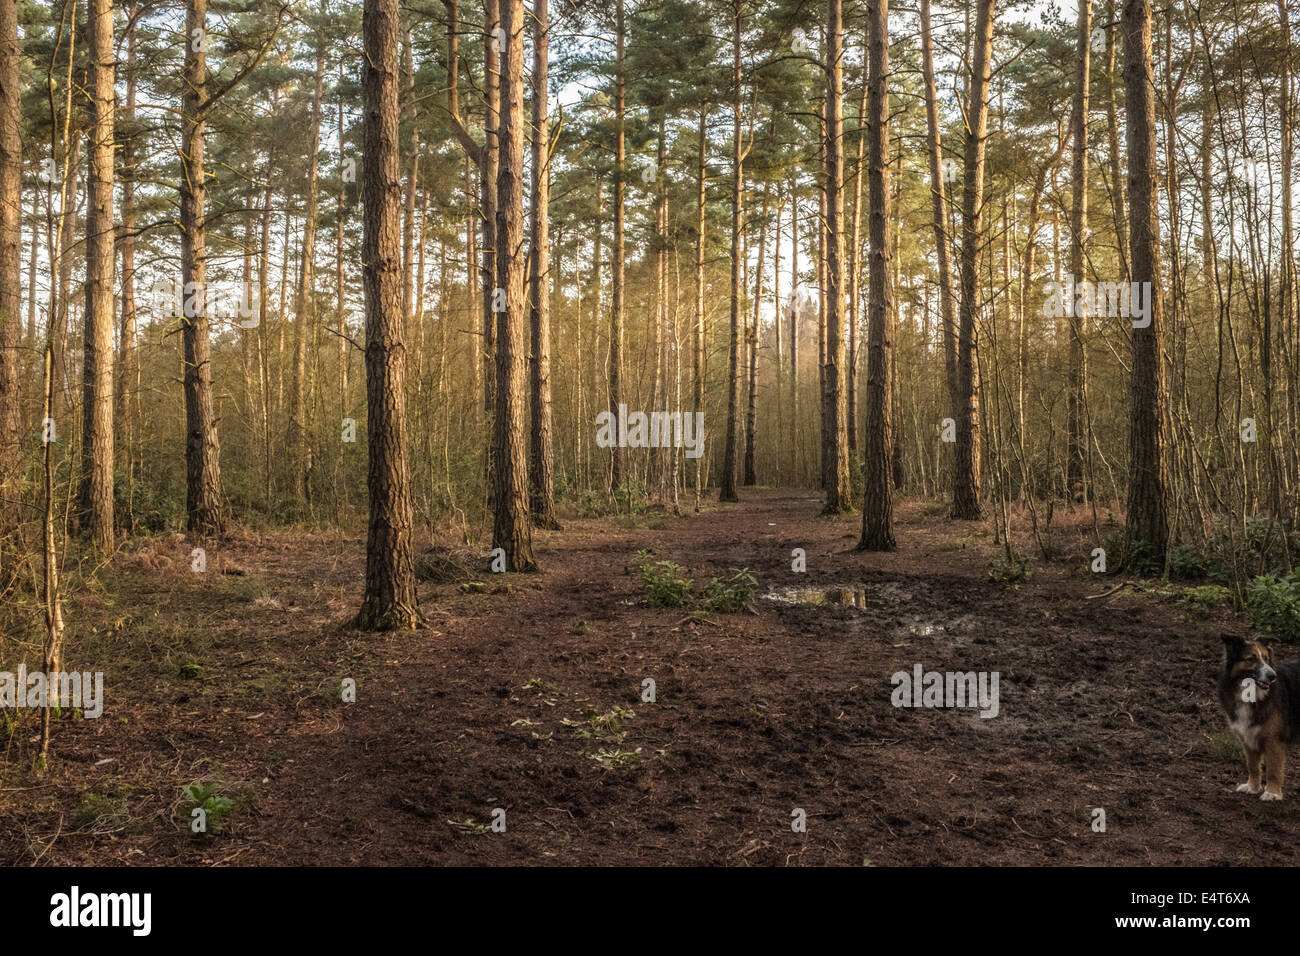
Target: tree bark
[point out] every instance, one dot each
(966, 477)
(96, 490)
(796, 459)
(542, 457)
(839, 492)
(340, 288)
(1147, 529)
(11, 278)
(878, 445)
(204, 502)
(751, 422)
(939, 208)
(299, 452)
(855, 274)
(617, 476)
(390, 600)
(128, 386)
(727, 487)
(511, 527)
(1076, 439)
(697, 337)
(488, 188)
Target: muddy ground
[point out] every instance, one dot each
(526, 695)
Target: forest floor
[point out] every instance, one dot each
(527, 696)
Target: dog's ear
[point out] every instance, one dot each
(1233, 645)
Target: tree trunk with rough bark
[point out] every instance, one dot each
(839, 492)
(1076, 439)
(878, 445)
(511, 525)
(390, 601)
(95, 504)
(727, 488)
(966, 477)
(1147, 530)
(204, 500)
(542, 453)
(11, 278)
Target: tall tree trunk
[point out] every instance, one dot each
(778, 329)
(67, 144)
(659, 390)
(542, 457)
(939, 207)
(1287, 292)
(511, 528)
(96, 490)
(61, 277)
(751, 475)
(1112, 152)
(409, 284)
(128, 386)
(1148, 501)
(796, 469)
(966, 477)
(839, 492)
(31, 273)
(264, 334)
(878, 446)
(727, 488)
(204, 503)
(855, 274)
(305, 301)
(697, 336)
(390, 600)
(471, 262)
(488, 187)
(826, 459)
(484, 158)
(51, 662)
(1076, 438)
(11, 276)
(340, 303)
(617, 476)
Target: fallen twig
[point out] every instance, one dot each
(1114, 590)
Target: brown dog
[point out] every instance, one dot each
(1263, 709)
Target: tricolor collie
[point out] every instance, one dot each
(1263, 708)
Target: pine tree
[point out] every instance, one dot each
(390, 601)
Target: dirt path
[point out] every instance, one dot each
(1103, 703)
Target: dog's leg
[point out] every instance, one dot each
(1275, 758)
(1252, 772)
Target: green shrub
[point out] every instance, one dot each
(730, 595)
(630, 498)
(1187, 564)
(664, 584)
(1264, 537)
(101, 812)
(1141, 560)
(1205, 598)
(1273, 602)
(214, 806)
(1009, 571)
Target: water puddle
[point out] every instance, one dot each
(923, 630)
(853, 595)
(887, 600)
